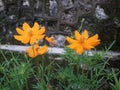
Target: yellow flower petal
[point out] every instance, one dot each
(94, 43)
(73, 46)
(33, 51)
(18, 37)
(77, 35)
(95, 37)
(93, 40)
(42, 30)
(79, 50)
(33, 40)
(35, 27)
(30, 52)
(40, 37)
(70, 40)
(88, 46)
(19, 31)
(26, 27)
(42, 50)
(85, 34)
(25, 39)
(50, 40)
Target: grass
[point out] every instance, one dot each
(74, 72)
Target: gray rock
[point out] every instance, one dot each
(100, 14)
(67, 17)
(26, 3)
(11, 17)
(53, 7)
(1, 6)
(59, 40)
(67, 3)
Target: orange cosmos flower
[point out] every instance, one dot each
(35, 50)
(82, 42)
(30, 34)
(50, 40)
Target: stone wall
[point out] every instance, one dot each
(60, 16)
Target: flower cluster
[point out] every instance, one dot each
(32, 35)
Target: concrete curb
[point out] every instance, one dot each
(51, 50)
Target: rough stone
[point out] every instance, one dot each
(67, 3)
(100, 13)
(59, 40)
(1, 6)
(26, 3)
(53, 7)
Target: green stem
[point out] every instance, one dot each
(43, 60)
(18, 86)
(102, 68)
(78, 66)
(4, 56)
(26, 84)
(35, 75)
(80, 28)
(26, 57)
(14, 58)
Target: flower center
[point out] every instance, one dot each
(82, 40)
(30, 33)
